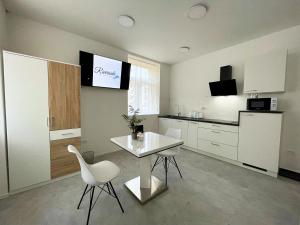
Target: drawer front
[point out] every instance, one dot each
(220, 136)
(215, 126)
(63, 134)
(222, 150)
(62, 161)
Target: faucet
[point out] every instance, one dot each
(178, 110)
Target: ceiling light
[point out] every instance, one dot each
(126, 21)
(184, 49)
(197, 12)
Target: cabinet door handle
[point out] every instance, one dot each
(179, 121)
(194, 122)
(214, 125)
(67, 134)
(216, 132)
(215, 144)
(47, 121)
(249, 115)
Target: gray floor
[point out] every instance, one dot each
(212, 192)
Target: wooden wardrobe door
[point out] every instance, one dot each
(64, 96)
(62, 161)
(73, 96)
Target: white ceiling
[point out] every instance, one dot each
(162, 25)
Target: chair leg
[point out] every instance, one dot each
(108, 189)
(166, 169)
(115, 194)
(83, 194)
(177, 166)
(90, 207)
(155, 163)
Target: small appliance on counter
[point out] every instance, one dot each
(196, 114)
(263, 104)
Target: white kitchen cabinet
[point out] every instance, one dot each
(220, 136)
(26, 93)
(183, 126)
(192, 134)
(219, 149)
(164, 124)
(266, 73)
(259, 139)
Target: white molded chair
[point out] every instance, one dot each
(96, 175)
(168, 156)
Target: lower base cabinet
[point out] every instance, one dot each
(219, 149)
(62, 161)
(259, 140)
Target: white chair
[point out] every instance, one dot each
(168, 156)
(96, 175)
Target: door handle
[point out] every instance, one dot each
(216, 132)
(215, 144)
(66, 134)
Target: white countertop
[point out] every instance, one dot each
(151, 144)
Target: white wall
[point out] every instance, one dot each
(100, 108)
(3, 171)
(189, 86)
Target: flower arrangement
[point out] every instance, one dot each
(133, 120)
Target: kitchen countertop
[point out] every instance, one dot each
(224, 122)
(217, 121)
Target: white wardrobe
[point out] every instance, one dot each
(27, 120)
(42, 101)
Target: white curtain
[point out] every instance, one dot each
(144, 86)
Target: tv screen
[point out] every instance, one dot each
(99, 71)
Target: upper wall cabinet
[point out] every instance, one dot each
(64, 96)
(266, 73)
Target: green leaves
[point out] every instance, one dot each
(133, 120)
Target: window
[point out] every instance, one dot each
(144, 87)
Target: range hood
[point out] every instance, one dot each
(226, 85)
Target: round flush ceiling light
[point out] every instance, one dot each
(184, 49)
(126, 21)
(197, 11)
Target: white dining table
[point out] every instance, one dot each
(146, 186)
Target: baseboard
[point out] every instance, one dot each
(42, 183)
(289, 174)
(4, 195)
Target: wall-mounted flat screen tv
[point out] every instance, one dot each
(99, 71)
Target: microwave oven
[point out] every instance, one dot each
(267, 104)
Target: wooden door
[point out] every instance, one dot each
(62, 161)
(64, 96)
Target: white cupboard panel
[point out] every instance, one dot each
(219, 136)
(183, 126)
(265, 73)
(26, 93)
(219, 149)
(259, 139)
(192, 136)
(215, 126)
(164, 124)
